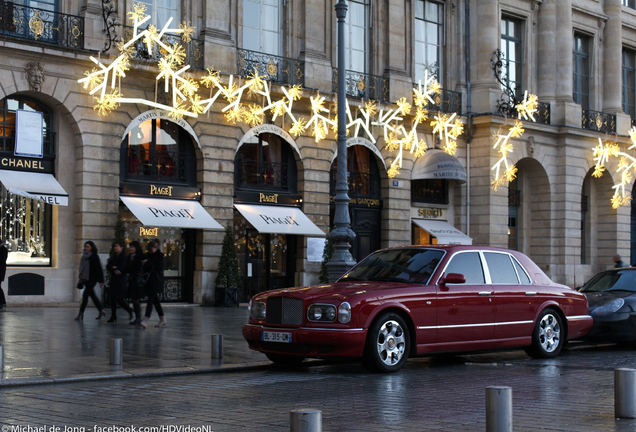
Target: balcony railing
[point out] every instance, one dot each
(447, 101)
(264, 174)
(278, 70)
(146, 164)
(41, 25)
(364, 86)
(543, 113)
(194, 49)
(598, 121)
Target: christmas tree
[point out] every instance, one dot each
(229, 275)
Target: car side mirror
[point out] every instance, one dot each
(453, 278)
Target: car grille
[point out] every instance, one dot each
(285, 310)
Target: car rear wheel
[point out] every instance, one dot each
(548, 337)
(285, 360)
(388, 344)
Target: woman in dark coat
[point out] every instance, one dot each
(116, 266)
(154, 286)
(90, 273)
(133, 265)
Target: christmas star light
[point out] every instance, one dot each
(602, 153)
(528, 106)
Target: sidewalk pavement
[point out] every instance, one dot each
(45, 345)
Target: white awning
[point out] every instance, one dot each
(38, 186)
(439, 165)
(444, 232)
(279, 220)
(170, 213)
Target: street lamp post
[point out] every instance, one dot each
(342, 235)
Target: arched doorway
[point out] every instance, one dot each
(268, 220)
(598, 222)
(530, 212)
(159, 193)
(365, 194)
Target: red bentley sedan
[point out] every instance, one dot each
(418, 300)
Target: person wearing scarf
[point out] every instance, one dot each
(90, 273)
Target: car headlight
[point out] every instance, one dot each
(344, 312)
(258, 310)
(609, 308)
(321, 313)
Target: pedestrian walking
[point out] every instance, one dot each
(619, 262)
(3, 271)
(154, 286)
(90, 273)
(135, 291)
(116, 266)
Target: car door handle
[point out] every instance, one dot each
(531, 293)
(485, 292)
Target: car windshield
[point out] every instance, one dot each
(612, 281)
(397, 265)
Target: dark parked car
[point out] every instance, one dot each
(418, 300)
(611, 295)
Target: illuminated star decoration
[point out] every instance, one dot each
(626, 167)
(526, 109)
(602, 153)
(505, 147)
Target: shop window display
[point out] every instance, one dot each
(25, 226)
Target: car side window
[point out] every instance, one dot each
(501, 269)
(468, 264)
(523, 276)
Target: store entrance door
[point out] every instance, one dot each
(266, 261)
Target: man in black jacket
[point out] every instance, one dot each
(3, 271)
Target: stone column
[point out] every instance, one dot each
(398, 36)
(566, 112)
(612, 57)
(317, 38)
(485, 22)
(220, 41)
(546, 51)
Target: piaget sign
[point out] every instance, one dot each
(165, 191)
(264, 198)
(148, 232)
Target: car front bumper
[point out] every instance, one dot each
(618, 327)
(309, 342)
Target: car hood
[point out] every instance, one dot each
(596, 299)
(339, 290)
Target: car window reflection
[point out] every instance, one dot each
(398, 265)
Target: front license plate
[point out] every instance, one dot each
(269, 336)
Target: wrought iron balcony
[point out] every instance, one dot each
(41, 25)
(365, 86)
(278, 70)
(145, 164)
(264, 174)
(447, 101)
(598, 121)
(194, 49)
(543, 113)
(361, 184)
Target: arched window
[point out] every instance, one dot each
(25, 223)
(265, 161)
(363, 174)
(158, 150)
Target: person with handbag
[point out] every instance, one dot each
(152, 266)
(136, 291)
(90, 273)
(116, 266)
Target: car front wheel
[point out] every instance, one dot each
(388, 344)
(548, 337)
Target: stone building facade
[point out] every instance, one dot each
(577, 56)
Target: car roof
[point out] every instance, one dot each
(452, 248)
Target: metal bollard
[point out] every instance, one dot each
(217, 346)
(625, 393)
(498, 409)
(1, 358)
(116, 351)
(305, 420)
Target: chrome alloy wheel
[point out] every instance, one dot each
(391, 343)
(549, 333)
